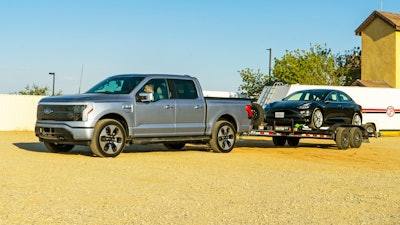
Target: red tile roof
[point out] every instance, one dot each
(392, 19)
(370, 83)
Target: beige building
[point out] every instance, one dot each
(380, 44)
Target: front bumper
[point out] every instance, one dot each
(63, 133)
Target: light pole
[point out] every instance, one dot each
(54, 77)
(270, 58)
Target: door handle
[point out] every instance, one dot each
(198, 107)
(169, 107)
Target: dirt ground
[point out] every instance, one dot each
(257, 183)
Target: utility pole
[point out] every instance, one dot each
(54, 78)
(270, 59)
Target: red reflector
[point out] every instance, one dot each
(249, 111)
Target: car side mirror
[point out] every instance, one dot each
(146, 97)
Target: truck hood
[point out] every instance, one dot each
(87, 98)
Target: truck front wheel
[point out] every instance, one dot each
(223, 137)
(108, 139)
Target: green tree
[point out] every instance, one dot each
(254, 82)
(350, 65)
(37, 90)
(317, 66)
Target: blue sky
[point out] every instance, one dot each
(211, 40)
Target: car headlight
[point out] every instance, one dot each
(304, 106)
(267, 107)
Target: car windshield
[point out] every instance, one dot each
(307, 95)
(116, 85)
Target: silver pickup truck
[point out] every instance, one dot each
(141, 109)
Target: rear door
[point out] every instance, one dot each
(190, 107)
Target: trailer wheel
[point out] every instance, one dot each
(355, 137)
(56, 147)
(174, 146)
(293, 141)
(342, 138)
(223, 137)
(279, 141)
(258, 115)
(108, 138)
(317, 119)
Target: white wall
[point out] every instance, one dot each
(18, 112)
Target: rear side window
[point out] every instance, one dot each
(183, 89)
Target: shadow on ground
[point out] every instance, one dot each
(85, 150)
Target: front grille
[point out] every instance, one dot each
(60, 112)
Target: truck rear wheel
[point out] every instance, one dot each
(108, 139)
(355, 137)
(223, 137)
(56, 147)
(342, 138)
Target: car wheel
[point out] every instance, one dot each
(258, 115)
(356, 119)
(279, 141)
(174, 146)
(108, 138)
(342, 138)
(293, 141)
(317, 118)
(223, 137)
(56, 147)
(355, 137)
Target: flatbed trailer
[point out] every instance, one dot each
(345, 135)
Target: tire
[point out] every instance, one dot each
(357, 120)
(355, 137)
(55, 147)
(370, 128)
(223, 137)
(317, 119)
(279, 141)
(258, 115)
(342, 138)
(108, 139)
(174, 146)
(293, 141)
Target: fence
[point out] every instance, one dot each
(18, 112)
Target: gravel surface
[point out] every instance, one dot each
(256, 183)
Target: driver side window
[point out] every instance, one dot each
(157, 87)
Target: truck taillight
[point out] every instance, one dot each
(249, 111)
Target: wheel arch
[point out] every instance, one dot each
(118, 118)
(230, 119)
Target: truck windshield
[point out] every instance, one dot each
(116, 85)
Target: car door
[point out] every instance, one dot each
(333, 108)
(190, 107)
(155, 118)
(348, 107)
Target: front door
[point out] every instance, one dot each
(155, 118)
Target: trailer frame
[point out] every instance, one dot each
(345, 135)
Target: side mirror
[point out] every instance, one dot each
(146, 97)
